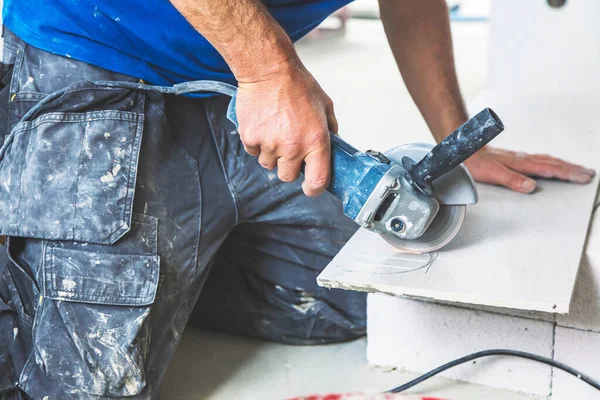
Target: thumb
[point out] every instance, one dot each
(317, 172)
(331, 119)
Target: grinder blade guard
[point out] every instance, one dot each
(452, 191)
(419, 204)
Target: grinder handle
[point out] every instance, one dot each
(454, 149)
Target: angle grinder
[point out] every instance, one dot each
(414, 195)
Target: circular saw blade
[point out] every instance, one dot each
(443, 229)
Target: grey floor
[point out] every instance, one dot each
(211, 366)
(374, 111)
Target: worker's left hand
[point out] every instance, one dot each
(513, 169)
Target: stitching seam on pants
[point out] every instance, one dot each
(229, 184)
(194, 164)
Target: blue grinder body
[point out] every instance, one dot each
(354, 175)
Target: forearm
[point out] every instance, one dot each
(252, 43)
(419, 35)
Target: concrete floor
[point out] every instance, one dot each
(375, 111)
(212, 366)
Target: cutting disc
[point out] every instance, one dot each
(443, 229)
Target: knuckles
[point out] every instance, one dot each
(542, 170)
(291, 149)
(318, 140)
(250, 141)
(288, 176)
(319, 183)
(267, 165)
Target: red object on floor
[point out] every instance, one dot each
(363, 396)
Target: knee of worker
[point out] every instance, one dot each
(329, 316)
(291, 316)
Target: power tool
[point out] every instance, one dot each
(414, 195)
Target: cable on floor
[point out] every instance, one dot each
(498, 352)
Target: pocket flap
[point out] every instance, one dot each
(100, 278)
(69, 170)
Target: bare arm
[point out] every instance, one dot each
(243, 32)
(284, 116)
(419, 34)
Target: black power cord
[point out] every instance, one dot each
(498, 352)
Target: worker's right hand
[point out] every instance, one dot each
(284, 119)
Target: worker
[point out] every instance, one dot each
(130, 213)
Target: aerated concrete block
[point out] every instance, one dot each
(419, 336)
(581, 350)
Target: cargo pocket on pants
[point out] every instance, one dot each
(91, 332)
(68, 171)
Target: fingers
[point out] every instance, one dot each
(501, 175)
(507, 168)
(516, 181)
(252, 150)
(544, 158)
(565, 164)
(288, 169)
(317, 172)
(252, 147)
(548, 167)
(267, 158)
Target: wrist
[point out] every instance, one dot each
(278, 68)
(264, 59)
(447, 124)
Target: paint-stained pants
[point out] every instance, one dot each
(130, 214)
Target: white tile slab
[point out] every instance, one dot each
(542, 316)
(419, 336)
(580, 350)
(514, 251)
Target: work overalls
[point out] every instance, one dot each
(129, 213)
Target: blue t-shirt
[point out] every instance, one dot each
(146, 39)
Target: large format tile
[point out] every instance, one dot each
(515, 251)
